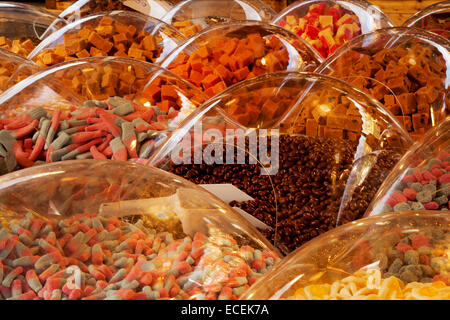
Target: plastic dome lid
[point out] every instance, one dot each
(434, 18)
(335, 147)
(23, 26)
(102, 102)
(191, 16)
(326, 25)
(14, 68)
(406, 69)
(388, 257)
(81, 8)
(180, 242)
(229, 53)
(421, 179)
(116, 33)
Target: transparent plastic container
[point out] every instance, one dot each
(327, 25)
(389, 257)
(226, 54)
(434, 18)
(191, 16)
(147, 235)
(116, 33)
(82, 8)
(14, 68)
(23, 26)
(106, 95)
(405, 69)
(307, 166)
(421, 179)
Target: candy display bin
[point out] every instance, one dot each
(23, 26)
(434, 18)
(82, 8)
(326, 25)
(226, 54)
(115, 33)
(405, 69)
(73, 106)
(284, 140)
(389, 257)
(191, 16)
(116, 230)
(421, 179)
(14, 68)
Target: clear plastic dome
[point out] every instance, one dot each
(14, 68)
(115, 230)
(226, 54)
(191, 16)
(434, 18)
(421, 179)
(23, 26)
(108, 102)
(327, 25)
(389, 257)
(116, 33)
(82, 8)
(335, 147)
(406, 69)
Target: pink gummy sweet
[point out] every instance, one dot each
(437, 172)
(410, 194)
(418, 175)
(432, 205)
(395, 198)
(427, 175)
(445, 178)
(409, 178)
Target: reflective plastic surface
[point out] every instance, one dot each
(14, 68)
(333, 149)
(326, 25)
(191, 16)
(117, 231)
(229, 53)
(421, 179)
(406, 69)
(389, 257)
(23, 26)
(116, 33)
(434, 18)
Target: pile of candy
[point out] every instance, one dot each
(22, 47)
(425, 188)
(108, 37)
(225, 61)
(369, 285)
(92, 257)
(117, 129)
(408, 80)
(325, 27)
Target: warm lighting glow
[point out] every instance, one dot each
(147, 104)
(412, 62)
(325, 108)
(263, 61)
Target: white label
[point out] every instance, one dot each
(152, 8)
(227, 192)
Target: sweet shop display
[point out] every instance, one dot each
(405, 69)
(400, 256)
(327, 25)
(219, 150)
(191, 16)
(117, 33)
(120, 231)
(14, 68)
(421, 179)
(61, 113)
(23, 26)
(319, 178)
(434, 18)
(226, 54)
